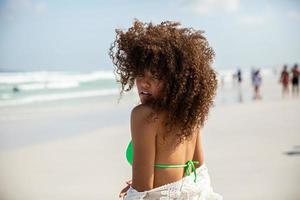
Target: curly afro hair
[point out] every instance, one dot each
(181, 57)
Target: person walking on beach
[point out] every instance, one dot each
(284, 80)
(171, 69)
(295, 80)
(257, 79)
(239, 88)
(239, 76)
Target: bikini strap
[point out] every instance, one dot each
(188, 167)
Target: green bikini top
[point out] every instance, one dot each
(189, 166)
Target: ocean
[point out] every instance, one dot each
(18, 88)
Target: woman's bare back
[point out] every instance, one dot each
(168, 151)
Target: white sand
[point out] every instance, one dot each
(244, 147)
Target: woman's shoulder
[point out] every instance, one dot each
(144, 119)
(145, 113)
(142, 109)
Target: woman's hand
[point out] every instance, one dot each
(124, 190)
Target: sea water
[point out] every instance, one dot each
(28, 87)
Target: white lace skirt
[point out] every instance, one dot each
(184, 189)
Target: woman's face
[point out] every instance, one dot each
(148, 85)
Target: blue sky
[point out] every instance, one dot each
(76, 35)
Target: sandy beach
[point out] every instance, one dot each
(252, 150)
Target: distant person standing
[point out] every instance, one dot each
(239, 81)
(295, 80)
(239, 76)
(284, 80)
(257, 79)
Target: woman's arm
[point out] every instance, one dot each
(143, 133)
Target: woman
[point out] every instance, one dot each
(284, 80)
(257, 83)
(295, 80)
(171, 68)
